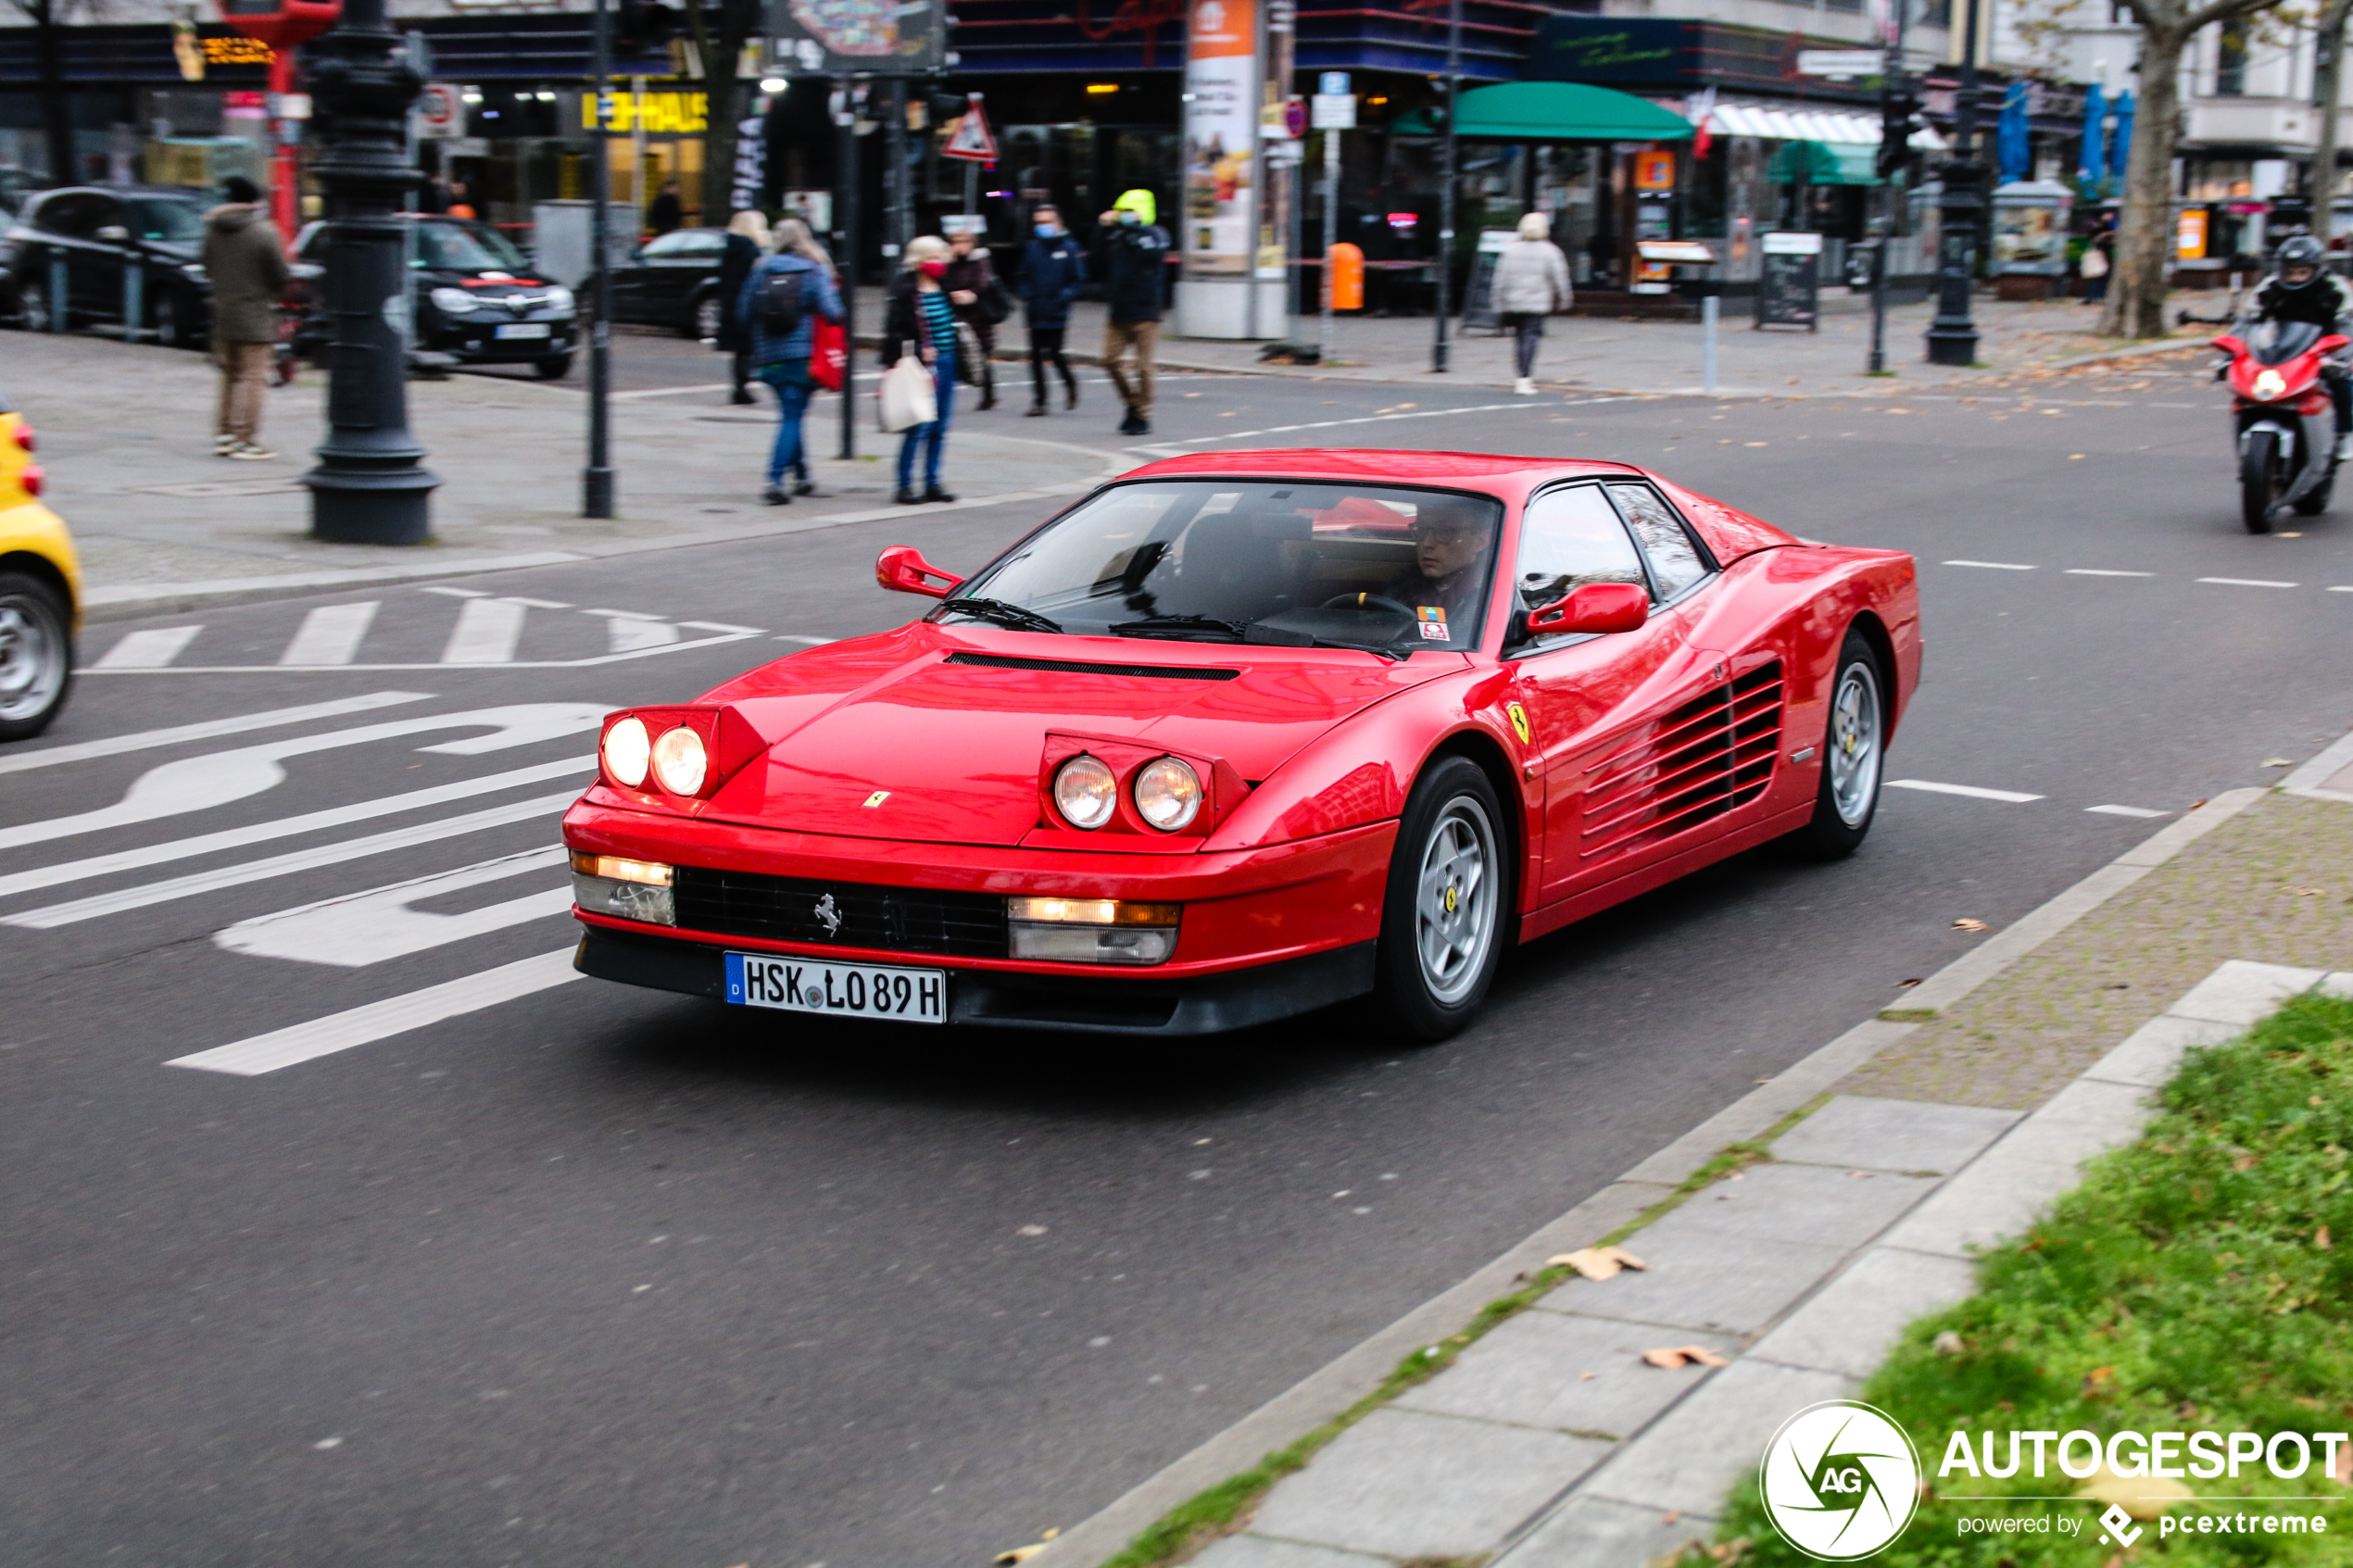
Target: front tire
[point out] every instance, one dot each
(1448, 905)
(554, 368)
(167, 317)
(36, 655)
(2259, 480)
(1854, 755)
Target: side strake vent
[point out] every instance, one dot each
(1709, 756)
(1079, 667)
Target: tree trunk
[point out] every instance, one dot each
(2144, 237)
(57, 117)
(722, 98)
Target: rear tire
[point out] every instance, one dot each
(2258, 481)
(1448, 905)
(36, 655)
(706, 318)
(1854, 755)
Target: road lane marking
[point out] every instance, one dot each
(51, 916)
(288, 827)
(1383, 418)
(458, 593)
(144, 740)
(1972, 791)
(813, 642)
(2127, 812)
(2347, 589)
(357, 929)
(330, 635)
(1991, 565)
(151, 649)
(377, 1021)
(632, 631)
(721, 626)
(196, 783)
(487, 632)
(2247, 582)
(537, 604)
(2098, 572)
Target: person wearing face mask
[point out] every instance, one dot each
(1052, 270)
(919, 319)
(1135, 282)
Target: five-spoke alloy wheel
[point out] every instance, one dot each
(1449, 902)
(1854, 753)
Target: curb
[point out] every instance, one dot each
(2138, 351)
(1332, 1388)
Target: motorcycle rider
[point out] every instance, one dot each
(2303, 291)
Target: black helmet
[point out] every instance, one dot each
(2301, 250)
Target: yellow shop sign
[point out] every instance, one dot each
(656, 113)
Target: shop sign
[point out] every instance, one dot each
(658, 114)
(234, 49)
(1221, 133)
(885, 37)
(1653, 171)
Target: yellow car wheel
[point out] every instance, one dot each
(36, 655)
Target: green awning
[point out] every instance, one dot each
(1553, 111)
(1825, 163)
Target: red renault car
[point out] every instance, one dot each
(1244, 734)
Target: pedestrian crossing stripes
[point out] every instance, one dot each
(422, 631)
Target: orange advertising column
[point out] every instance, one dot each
(1345, 269)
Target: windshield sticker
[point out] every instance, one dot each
(1430, 612)
(1433, 632)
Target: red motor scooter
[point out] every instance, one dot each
(2284, 416)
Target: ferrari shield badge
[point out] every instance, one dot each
(1518, 716)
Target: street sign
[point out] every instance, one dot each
(1283, 121)
(1332, 83)
(881, 37)
(1335, 111)
(970, 138)
(1840, 62)
(440, 111)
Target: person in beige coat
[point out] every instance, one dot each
(1531, 282)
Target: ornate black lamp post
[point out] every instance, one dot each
(370, 486)
(1951, 337)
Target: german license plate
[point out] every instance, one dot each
(524, 328)
(909, 996)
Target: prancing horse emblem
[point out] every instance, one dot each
(828, 916)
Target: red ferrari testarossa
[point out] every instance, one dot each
(1246, 733)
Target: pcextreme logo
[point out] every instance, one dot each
(1840, 1480)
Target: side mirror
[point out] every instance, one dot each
(1595, 607)
(114, 233)
(903, 569)
(2331, 344)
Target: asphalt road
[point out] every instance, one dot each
(602, 1276)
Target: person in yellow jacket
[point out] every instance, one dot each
(1135, 274)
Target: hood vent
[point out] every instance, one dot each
(1078, 667)
(1706, 758)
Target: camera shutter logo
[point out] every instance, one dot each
(1840, 1480)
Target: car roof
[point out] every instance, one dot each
(1475, 471)
(181, 192)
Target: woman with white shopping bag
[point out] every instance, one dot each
(919, 323)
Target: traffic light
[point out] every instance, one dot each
(1899, 119)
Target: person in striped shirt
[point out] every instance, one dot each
(921, 319)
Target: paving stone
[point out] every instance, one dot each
(1856, 1130)
(1702, 1279)
(2150, 1053)
(1403, 1484)
(1809, 1203)
(1597, 1533)
(1256, 1551)
(2241, 991)
(1855, 1318)
(1571, 1374)
(2002, 1191)
(1696, 1453)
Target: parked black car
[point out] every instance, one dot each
(99, 233)
(474, 297)
(16, 184)
(673, 280)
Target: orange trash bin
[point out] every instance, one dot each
(1344, 265)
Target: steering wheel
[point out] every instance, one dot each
(1359, 601)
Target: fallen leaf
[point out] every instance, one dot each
(1907, 984)
(2140, 1497)
(1672, 1515)
(2310, 892)
(2321, 1238)
(1587, 1378)
(1018, 1555)
(2075, 456)
(1860, 1175)
(2100, 1377)
(1967, 924)
(2244, 1162)
(1031, 1230)
(2279, 761)
(1597, 1262)
(1684, 1355)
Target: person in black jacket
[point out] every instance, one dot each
(1135, 280)
(665, 212)
(2303, 291)
(747, 242)
(919, 319)
(981, 304)
(1052, 270)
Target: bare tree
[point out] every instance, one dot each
(720, 32)
(2328, 85)
(2145, 238)
(49, 56)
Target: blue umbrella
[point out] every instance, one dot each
(2010, 133)
(2092, 169)
(2118, 159)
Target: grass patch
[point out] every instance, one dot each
(2199, 1279)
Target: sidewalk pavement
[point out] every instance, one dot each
(126, 436)
(1610, 355)
(1889, 1157)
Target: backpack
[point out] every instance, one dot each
(776, 305)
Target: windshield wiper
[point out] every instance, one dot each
(1158, 624)
(1286, 637)
(1003, 614)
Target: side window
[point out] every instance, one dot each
(669, 245)
(1675, 562)
(1569, 537)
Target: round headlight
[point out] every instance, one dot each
(1168, 794)
(560, 300)
(1086, 791)
(2270, 386)
(628, 750)
(453, 302)
(680, 761)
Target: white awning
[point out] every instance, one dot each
(1808, 125)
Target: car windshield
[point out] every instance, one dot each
(2276, 342)
(1388, 570)
(466, 247)
(152, 217)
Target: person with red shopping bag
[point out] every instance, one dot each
(788, 296)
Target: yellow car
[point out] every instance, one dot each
(40, 591)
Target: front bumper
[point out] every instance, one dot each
(1139, 1002)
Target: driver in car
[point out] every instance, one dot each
(1441, 588)
(2303, 291)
